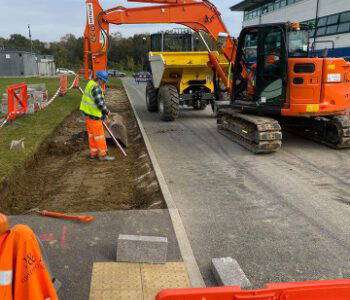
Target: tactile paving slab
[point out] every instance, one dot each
(166, 276)
(116, 281)
(135, 281)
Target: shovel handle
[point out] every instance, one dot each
(64, 216)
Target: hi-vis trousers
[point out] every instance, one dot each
(97, 140)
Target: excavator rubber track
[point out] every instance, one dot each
(331, 131)
(257, 134)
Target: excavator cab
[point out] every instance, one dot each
(260, 75)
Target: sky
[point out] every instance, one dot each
(51, 19)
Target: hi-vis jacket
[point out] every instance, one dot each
(23, 275)
(87, 104)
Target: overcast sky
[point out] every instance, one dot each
(52, 19)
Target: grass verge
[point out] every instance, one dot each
(33, 128)
(37, 127)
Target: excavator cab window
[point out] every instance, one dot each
(245, 70)
(261, 66)
(271, 69)
(298, 43)
(172, 41)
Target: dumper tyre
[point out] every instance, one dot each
(151, 97)
(168, 102)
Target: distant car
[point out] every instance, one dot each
(111, 73)
(64, 71)
(115, 73)
(119, 74)
(142, 76)
(82, 70)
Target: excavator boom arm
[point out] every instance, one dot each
(195, 15)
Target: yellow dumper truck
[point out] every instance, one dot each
(179, 78)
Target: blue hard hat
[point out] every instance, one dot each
(103, 75)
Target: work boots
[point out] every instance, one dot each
(106, 158)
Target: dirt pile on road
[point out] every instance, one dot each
(61, 178)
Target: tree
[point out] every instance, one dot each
(125, 53)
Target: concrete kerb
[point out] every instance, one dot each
(180, 232)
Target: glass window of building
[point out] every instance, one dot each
(283, 3)
(311, 22)
(344, 27)
(332, 19)
(322, 22)
(332, 29)
(291, 2)
(345, 17)
(277, 4)
(264, 9)
(270, 7)
(321, 31)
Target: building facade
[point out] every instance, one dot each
(331, 19)
(22, 63)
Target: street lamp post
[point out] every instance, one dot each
(30, 37)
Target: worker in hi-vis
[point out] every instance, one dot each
(24, 273)
(95, 111)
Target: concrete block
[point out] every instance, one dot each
(227, 272)
(37, 87)
(17, 145)
(142, 249)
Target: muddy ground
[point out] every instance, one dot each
(61, 178)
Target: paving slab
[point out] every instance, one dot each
(142, 249)
(136, 281)
(72, 247)
(228, 272)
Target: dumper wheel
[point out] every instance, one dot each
(168, 102)
(151, 97)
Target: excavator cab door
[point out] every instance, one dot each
(260, 73)
(272, 66)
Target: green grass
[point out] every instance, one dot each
(115, 83)
(34, 128)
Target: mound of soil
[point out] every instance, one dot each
(61, 177)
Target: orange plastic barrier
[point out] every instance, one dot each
(63, 85)
(17, 100)
(309, 290)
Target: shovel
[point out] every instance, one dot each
(83, 219)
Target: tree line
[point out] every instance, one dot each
(125, 53)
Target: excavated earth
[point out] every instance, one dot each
(61, 178)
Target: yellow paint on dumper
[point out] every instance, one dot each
(182, 68)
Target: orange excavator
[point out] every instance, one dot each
(273, 82)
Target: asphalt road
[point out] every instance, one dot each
(282, 216)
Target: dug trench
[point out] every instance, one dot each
(61, 178)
